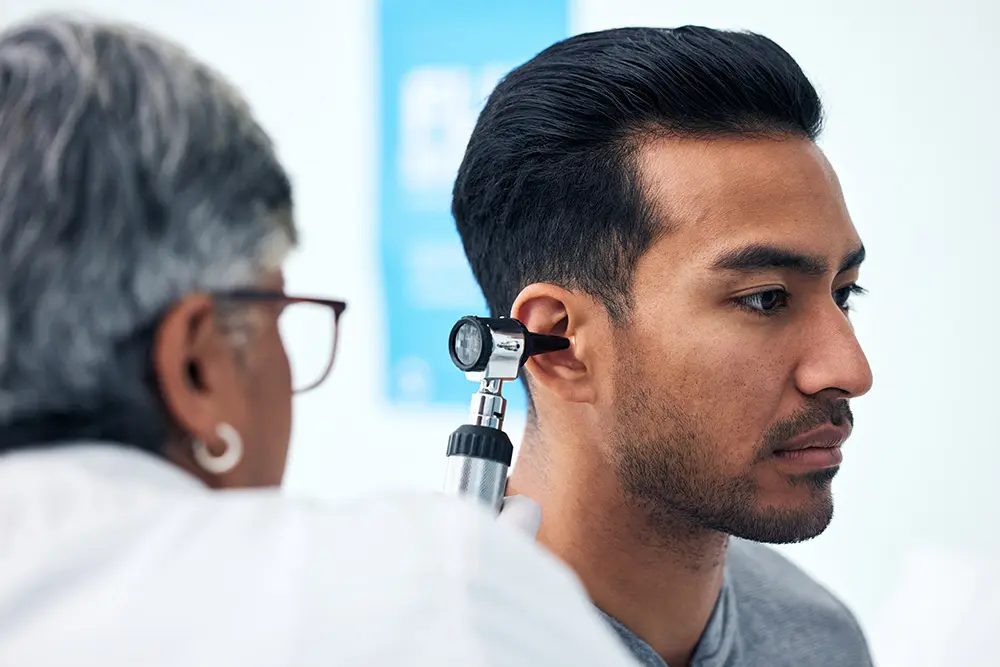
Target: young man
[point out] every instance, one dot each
(657, 197)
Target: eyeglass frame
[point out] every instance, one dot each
(338, 308)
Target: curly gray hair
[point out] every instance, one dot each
(130, 175)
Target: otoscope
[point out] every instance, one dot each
(490, 352)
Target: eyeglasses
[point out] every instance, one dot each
(309, 331)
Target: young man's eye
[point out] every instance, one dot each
(842, 296)
(767, 302)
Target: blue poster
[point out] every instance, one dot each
(438, 62)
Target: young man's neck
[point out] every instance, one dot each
(661, 584)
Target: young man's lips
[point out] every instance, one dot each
(818, 448)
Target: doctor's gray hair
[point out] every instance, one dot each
(130, 176)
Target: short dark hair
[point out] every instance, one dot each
(548, 190)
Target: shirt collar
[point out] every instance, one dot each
(716, 641)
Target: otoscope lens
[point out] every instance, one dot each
(468, 343)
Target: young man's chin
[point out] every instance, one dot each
(799, 515)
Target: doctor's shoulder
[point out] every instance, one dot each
(419, 577)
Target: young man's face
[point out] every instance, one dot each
(731, 378)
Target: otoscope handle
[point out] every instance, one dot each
(478, 460)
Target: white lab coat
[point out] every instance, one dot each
(109, 557)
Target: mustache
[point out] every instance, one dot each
(814, 415)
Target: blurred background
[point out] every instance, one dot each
(371, 104)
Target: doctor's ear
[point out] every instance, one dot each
(194, 366)
(551, 310)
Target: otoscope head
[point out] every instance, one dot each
(496, 348)
(490, 351)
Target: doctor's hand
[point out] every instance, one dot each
(522, 513)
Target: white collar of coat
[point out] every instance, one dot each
(114, 461)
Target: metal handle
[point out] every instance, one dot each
(481, 479)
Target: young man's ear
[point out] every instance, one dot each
(551, 310)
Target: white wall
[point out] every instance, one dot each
(911, 94)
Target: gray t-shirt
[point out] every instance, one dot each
(769, 614)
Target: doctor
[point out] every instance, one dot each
(145, 405)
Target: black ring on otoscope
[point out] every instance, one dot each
(485, 338)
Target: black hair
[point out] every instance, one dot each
(548, 190)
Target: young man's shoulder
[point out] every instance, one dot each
(777, 600)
